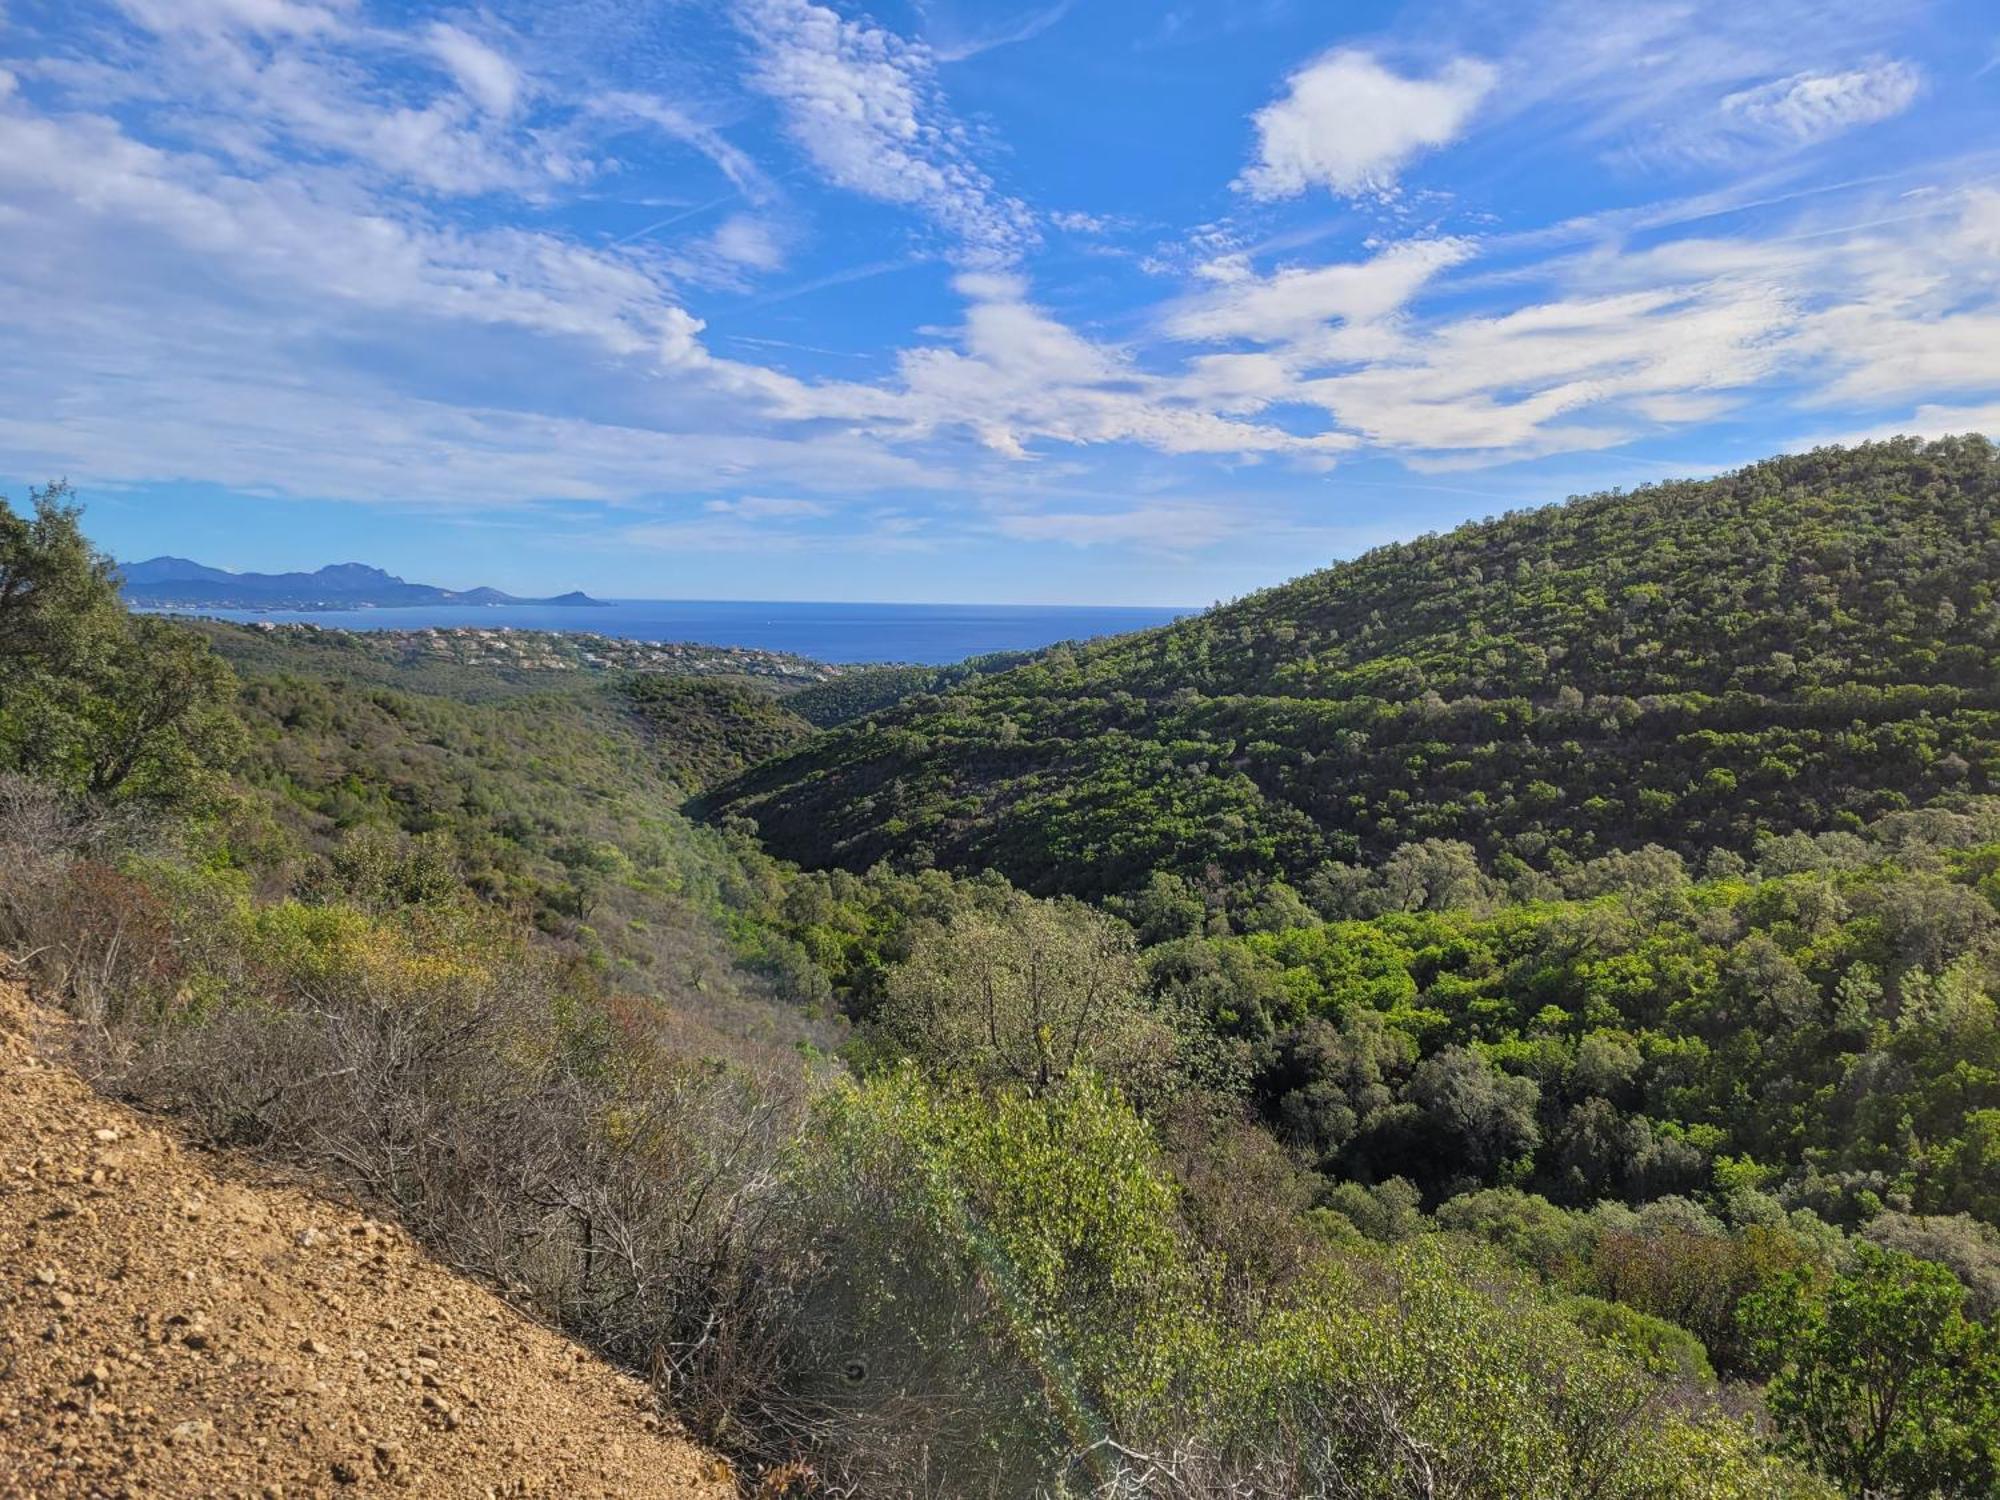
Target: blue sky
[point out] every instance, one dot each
(982, 300)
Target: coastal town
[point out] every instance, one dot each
(505, 648)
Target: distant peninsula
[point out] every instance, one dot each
(177, 583)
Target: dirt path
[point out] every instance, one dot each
(172, 1326)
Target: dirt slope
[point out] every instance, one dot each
(172, 1326)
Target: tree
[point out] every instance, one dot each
(159, 717)
(1025, 993)
(1479, 1118)
(59, 623)
(93, 700)
(1879, 1379)
(57, 593)
(1435, 875)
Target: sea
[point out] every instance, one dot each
(932, 634)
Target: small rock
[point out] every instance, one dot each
(46, 1276)
(345, 1472)
(197, 1430)
(309, 1237)
(313, 1346)
(105, 1136)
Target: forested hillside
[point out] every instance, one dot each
(1476, 1141)
(1803, 645)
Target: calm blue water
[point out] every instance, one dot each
(930, 633)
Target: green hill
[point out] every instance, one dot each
(896, 1183)
(1802, 645)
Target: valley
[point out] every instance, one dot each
(1378, 1037)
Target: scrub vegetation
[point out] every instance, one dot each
(1512, 1015)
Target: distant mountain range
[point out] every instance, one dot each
(176, 582)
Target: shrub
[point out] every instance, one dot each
(1003, 1282)
(1879, 1378)
(1433, 1373)
(1655, 1345)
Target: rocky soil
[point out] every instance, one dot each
(173, 1323)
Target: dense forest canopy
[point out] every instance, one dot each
(1514, 1014)
(1802, 645)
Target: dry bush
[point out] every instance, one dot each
(624, 1198)
(615, 1164)
(83, 931)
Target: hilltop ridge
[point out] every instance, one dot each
(1697, 664)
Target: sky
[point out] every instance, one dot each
(1051, 301)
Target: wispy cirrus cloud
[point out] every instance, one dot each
(953, 41)
(676, 123)
(1810, 107)
(257, 80)
(1786, 115)
(865, 107)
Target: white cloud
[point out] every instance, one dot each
(268, 431)
(1629, 340)
(307, 260)
(1075, 221)
(863, 104)
(1644, 81)
(744, 240)
(290, 296)
(1020, 376)
(1295, 301)
(255, 79)
(484, 74)
(1809, 107)
(1350, 124)
(280, 235)
(262, 17)
(1559, 374)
